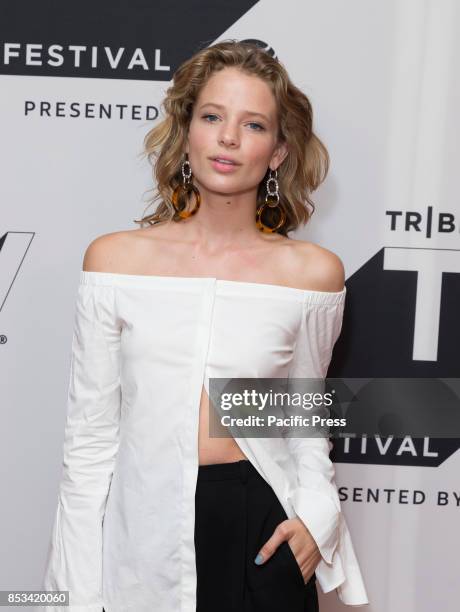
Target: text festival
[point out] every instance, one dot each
(34, 54)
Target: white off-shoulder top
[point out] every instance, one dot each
(142, 349)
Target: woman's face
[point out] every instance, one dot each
(225, 124)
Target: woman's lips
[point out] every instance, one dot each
(223, 167)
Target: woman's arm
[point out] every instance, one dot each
(74, 561)
(315, 500)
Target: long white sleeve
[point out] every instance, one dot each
(74, 561)
(316, 501)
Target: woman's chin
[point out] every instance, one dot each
(225, 187)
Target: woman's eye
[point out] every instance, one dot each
(258, 128)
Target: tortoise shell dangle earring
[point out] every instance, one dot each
(272, 200)
(181, 193)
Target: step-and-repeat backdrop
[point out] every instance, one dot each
(82, 83)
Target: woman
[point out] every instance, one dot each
(154, 512)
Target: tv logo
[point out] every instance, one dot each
(430, 265)
(429, 223)
(13, 250)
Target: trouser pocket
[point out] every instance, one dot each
(290, 556)
(282, 566)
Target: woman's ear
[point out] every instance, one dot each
(279, 154)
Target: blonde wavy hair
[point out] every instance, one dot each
(305, 166)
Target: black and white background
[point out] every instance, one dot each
(80, 85)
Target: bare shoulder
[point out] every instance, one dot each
(107, 253)
(318, 268)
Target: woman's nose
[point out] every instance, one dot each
(228, 136)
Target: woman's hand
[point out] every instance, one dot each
(301, 542)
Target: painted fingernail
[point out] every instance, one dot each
(259, 559)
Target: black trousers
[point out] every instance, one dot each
(236, 511)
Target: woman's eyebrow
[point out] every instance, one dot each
(246, 112)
